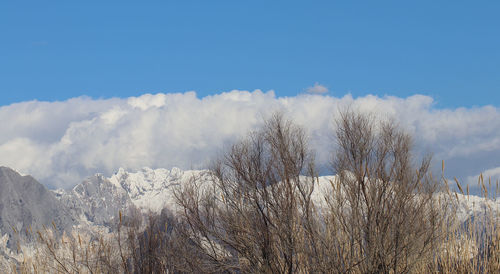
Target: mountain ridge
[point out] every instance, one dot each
(96, 201)
(25, 204)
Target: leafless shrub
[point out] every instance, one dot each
(71, 254)
(384, 205)
(150, 249)
(258, 215)
(131, 248)
(255, 213)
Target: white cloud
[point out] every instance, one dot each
(317, 89)
(60, 143)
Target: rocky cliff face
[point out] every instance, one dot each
(96, 201)
(26, 206)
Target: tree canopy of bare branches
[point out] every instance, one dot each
(253, 217)
(258, 214)
(384, 204)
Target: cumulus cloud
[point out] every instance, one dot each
(61, 143)
(317, 89)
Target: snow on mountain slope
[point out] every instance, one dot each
(468, 206)
(25, 204)
(98, 199)
(152, 189)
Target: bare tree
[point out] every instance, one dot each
(257, 213)
(253, 215)
(384, 204)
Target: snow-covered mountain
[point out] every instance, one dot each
(97, 200)
(152, 189)
(26, 205)
(94, 205)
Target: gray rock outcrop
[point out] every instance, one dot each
(26, 206)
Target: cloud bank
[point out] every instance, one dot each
(61, 143)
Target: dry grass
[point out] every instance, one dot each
(473, 246)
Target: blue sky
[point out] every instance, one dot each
(55, 50)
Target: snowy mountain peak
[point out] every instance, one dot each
(146, 179)
(151, 189)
